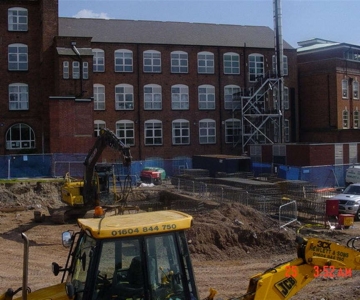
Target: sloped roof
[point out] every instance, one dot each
(170, 33)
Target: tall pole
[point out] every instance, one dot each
(279, 54)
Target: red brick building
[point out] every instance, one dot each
(164, 88)
(329, 75)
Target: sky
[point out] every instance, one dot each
(334, 20)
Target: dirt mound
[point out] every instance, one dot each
(230, 231)
(235, 231)
(29, 195)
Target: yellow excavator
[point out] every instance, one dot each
(147, 258)
(82, 195)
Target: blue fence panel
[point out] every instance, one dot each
(325, 176)
(57, 165)
(25, 166)
(289, 173)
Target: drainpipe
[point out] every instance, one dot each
(76, 51)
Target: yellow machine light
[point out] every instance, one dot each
(99, 212)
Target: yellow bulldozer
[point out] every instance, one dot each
(145, 256)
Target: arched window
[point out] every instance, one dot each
(232, 130)
(152, 61)
(153, 133)
(125, 131)
(18, 96)
(207, 131)
(231, 63)
(256, 66)
(98, 125)
(232, 97)
(206, 96)
(179, 97)
(17, 57)
(17, 19)
(20, 136)
(123, 60)
(206, 63)
(152, 97)
(124, 97)
(179, 62)
(180, 132)
(98, 60)
(99, 97)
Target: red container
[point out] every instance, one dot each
(346, 220)
(332, 207)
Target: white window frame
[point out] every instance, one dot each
(66, 70)
(207, 131)
(123, 60)
(76, 69)
(18, 19)
(231, 63)
(285, 65)
(98, 125)
(18, 96)
(206, 97)
(99, 96)
(229, 91)
(180, 132)
(85, 70)
(180, 97)
(179, 62)
(18, 57)
(125, 131)
(345, 119)
(152, 61)
(152, 97)
(287, 130)
(25, 137)
(98, 60)
(344, 89)
(355, 87)
(286, 98)
(232, 131)
(153, 133)
(124, 97)
(205, 62)
(356, 118)
(256, 66)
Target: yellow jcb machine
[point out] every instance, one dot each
(82, 195)
(146, 257)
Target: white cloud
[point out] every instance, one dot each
(87, 13)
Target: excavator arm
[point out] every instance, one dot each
(316, 258)
(105, 139)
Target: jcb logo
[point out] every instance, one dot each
(285, 285)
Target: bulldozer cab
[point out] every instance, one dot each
(146, 262)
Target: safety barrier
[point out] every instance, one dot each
(287, 214)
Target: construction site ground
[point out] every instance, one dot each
(228, 243)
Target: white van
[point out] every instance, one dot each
(352, 175)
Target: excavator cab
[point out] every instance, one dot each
(104, 174)
(127, 258)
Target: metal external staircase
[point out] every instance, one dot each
(260, 112)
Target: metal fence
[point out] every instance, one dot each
(57, 165)
(286, 201)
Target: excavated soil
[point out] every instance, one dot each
(228, 244)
